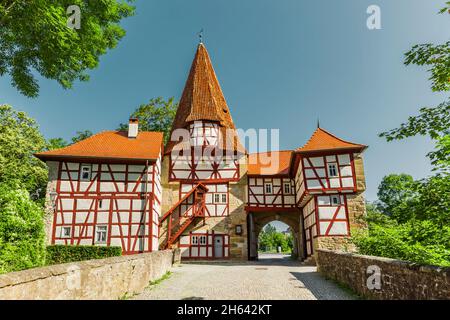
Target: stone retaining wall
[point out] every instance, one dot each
(399, 280)
(110, 278)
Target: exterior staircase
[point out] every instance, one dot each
(177, 221)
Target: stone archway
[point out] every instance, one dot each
(257, 220)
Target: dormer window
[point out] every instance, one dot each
(332, 170)
(86, 173)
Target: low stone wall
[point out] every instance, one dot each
(110, 278)
(383, 278)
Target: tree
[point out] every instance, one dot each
(81, 135)
(156, 115)
(35, 37)
(395, 194)
(19, 140)
(21, 229)
(434, 121)
(55, 143)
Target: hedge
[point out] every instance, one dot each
(62, 254)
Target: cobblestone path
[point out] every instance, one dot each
(272, 277)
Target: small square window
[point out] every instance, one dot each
(287, 188)
(268, 188)
(216, 198)
(332, 170)
(194, 240)
(224, 198)
(101, 233)
(66, 232)
(203, 240)
(86, 173)
(335, 200)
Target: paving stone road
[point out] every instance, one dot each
(272, 277)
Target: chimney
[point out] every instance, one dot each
(133, 128)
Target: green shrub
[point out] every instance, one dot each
(62, 254)
(21, 229)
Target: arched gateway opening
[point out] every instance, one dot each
(256, 221)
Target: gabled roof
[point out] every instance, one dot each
(269, 163)
(111, 145)
(322, 140)
(203, 99)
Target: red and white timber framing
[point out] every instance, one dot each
(201, 163)
(202, 245)
(269, 192)
(124, 198)
(216, 199)
(324, 173)
(325, 216)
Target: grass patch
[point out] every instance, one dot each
(151, 284)
(158, 281)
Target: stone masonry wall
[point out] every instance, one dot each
(399, 280)
(109, 278)
(53, 167)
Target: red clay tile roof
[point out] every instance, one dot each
(203, 99)
(269, 163)
(113, 145)
(322, 140)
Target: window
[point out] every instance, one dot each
(268, 188)
(335, 200)
(194, 240)
(66, 232)
(101, 234)
(287, 188)
(220, 198)
(100, 203)
(202, 240)
(86, 172)
(332, 170)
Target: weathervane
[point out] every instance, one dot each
(200, 36)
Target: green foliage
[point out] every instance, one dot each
(19, 140)
(62, 254)
(55, 143)
(81, 135)
(410, 222)
(21, 229)
(270, 239)
(433, 122)
(156, 115)
(34, 37)
(435, 56)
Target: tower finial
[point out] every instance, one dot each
(318, 123)
(200, 36)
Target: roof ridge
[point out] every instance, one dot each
(336, 137)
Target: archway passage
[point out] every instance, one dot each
(256, 221)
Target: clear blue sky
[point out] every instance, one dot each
(282, 64)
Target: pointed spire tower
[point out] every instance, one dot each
(203, 100)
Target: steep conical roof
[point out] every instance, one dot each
(202, 97)
(322, 140)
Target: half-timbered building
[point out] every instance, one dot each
(202, 192)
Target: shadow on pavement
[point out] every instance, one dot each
(321, 288)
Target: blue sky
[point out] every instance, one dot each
(282, 64)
